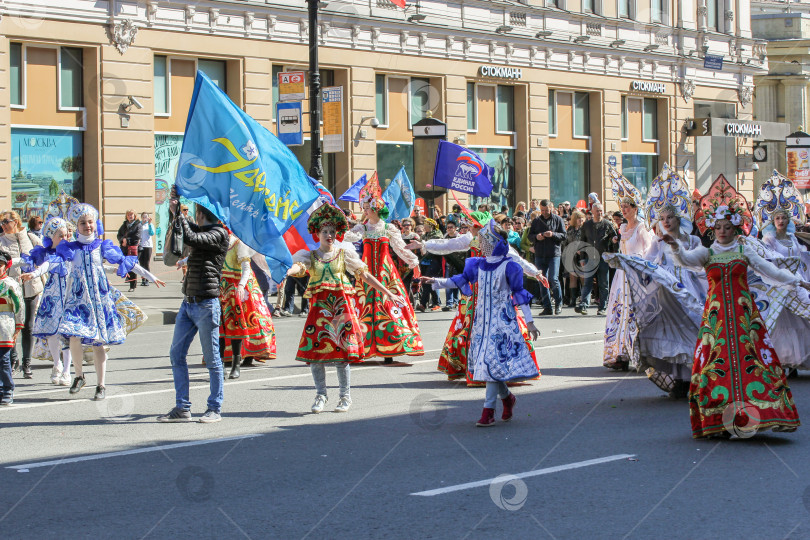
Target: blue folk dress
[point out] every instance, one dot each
(49, 314)
(497, 349)
(90, 302)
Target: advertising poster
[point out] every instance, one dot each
(503, 182)
(43, 163)
(167, 156)
(798, 166)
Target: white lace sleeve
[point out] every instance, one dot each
(653, 254)
(355, 234)
(771, 274)
(354, 264)
(528, 268)
(398, 245)
(693, 259)
(303, 258)
(446, 246)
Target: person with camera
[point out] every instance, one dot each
(200, 310)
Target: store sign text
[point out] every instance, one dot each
(501, 72)
(647, 86)
(743, 130)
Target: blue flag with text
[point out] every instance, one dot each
(462, 170)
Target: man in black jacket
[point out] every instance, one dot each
(200, 310)
(548, 232)
(600, 235)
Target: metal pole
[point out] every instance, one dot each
(316, 165)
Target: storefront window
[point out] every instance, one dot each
(390, 158)
(381, 99)
(640, 169)
(503, 181)
(70, 77)
(582, 116)
(552, 112)
(569, 175)
(215, 69)
(16, 73)
(420, 99)
(506, 108)
(161, 84)
(167, 156)
(472, 108)
(650, 120)
(44, 162)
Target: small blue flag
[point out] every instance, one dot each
(399, 196)
(353, 193)
(240, 171)
(462, 170)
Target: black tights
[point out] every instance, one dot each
(236, 347)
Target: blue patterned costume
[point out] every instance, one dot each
(49, 315)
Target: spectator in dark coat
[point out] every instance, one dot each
(547, 231)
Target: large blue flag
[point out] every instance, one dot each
(399, 196)
(353, 193)
(462, 170)
(240, 171)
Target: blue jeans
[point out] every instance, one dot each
(602, 272)
(495, 389)
(6, 377)
(550, 266)
(202, 317)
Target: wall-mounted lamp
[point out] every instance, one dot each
(543, 34)
(581, 39)
(617, 43)
(651, 47)
(417, 17)
(504, 28)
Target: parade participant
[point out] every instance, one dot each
(389, 330)
(778, 211)
(738, 385)
(90, 316)
(246, 321)
(333, 333)
(44, 260)
(19, 242)
(666, 299)
(497, 350)
(620, 326)
(200, 310)
(12, 315)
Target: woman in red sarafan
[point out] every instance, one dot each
(738, 386)
(246, 321)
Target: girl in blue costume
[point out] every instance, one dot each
(90, 316)
(498, 353)
(41, 260)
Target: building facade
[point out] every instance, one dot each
(94, 95)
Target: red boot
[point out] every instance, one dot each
(508, 405)
(487, 418)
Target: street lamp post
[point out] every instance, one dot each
(316, 164)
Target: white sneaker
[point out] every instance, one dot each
(64, 378)
(55, 375)
(344, 404)
(320, 401)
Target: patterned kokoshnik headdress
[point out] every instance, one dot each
(324, 215)
(624, 190)
(491, 242)
(76, 211)
(722, 201)
(779, 194)
(52, 226)
(371, 193)
(668, 190)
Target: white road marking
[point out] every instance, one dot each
(128, 452)
(527, 474)
(20, 406)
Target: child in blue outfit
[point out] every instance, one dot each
(497, 351)
(12, 318)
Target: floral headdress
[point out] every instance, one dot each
(491, 242)
(668, 191)
(432, 223)
(779, 194)
(723, 202)
(624, 190)
(326, 214)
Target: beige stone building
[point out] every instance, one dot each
(94, 95)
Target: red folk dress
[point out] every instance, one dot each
(333, 331)
(250, 320)
(389, 330)
(738, 384)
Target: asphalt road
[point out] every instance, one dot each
(591, 454)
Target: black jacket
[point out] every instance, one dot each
(208, 244)
(548, 247)
(130, 231)
(599, 235)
